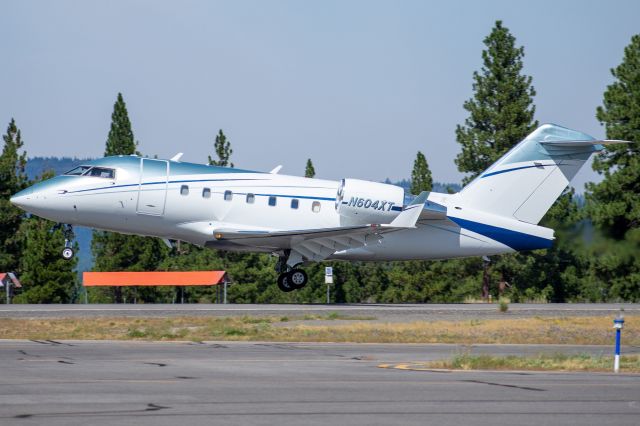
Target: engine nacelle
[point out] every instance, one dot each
(360, 202)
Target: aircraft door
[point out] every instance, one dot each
(152, 189)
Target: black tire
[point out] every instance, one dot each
(298, 278)
(284, 283)
(67, 253)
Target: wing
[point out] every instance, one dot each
(318, 244)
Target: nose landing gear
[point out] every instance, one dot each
(67, 252)
(67, 232)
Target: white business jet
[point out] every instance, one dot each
(308, 220)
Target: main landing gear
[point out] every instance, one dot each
(293, 280)
(290, 278)
(67, 231)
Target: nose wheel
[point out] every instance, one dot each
(67, 231)
(67, 253)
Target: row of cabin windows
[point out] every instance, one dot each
(251, 198)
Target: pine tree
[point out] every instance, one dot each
(309, 170)
(118, 252)
(501, 111)
(615, 201)
(120, 140)
(421, 179)
(223, 150)
(501, 114)
(12, 179)
(614, 204)
(45, 275)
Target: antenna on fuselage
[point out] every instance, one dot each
(177, 157)
(276, 170)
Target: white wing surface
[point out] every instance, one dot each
(318, 244)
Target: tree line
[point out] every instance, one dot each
(595, 256)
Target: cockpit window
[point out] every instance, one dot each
(101, 172)
(80, 170)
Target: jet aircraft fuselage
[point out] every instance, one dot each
(302, 219)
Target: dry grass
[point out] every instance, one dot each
(571, 330)
(555, 362)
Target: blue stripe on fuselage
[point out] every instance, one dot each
(514, 239)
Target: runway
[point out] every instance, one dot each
(381, 312)
(107, 382)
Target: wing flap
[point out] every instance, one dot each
(285, 239)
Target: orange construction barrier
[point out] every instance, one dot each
(120, 279)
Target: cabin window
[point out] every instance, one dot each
(206, 192)
(272, 201)
(228, 195)
(251, 198)
(80, 170)
(315, 206)
(184, 190)
(294, 203)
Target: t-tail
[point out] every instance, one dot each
(527, 180)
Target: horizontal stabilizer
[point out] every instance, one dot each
(583, 143)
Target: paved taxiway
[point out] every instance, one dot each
(100, 383)
(381, 312)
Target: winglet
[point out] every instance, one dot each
(410, 215)
(177, 157)
(276, 170)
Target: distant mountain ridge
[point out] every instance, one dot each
(36, 166)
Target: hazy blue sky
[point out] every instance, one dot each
(358, 86)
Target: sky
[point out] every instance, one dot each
(357, 86)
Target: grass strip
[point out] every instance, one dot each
(543, 362)
(565, 330)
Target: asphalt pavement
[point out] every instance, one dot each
(230, 383)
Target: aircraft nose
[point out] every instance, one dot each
(23, 199)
